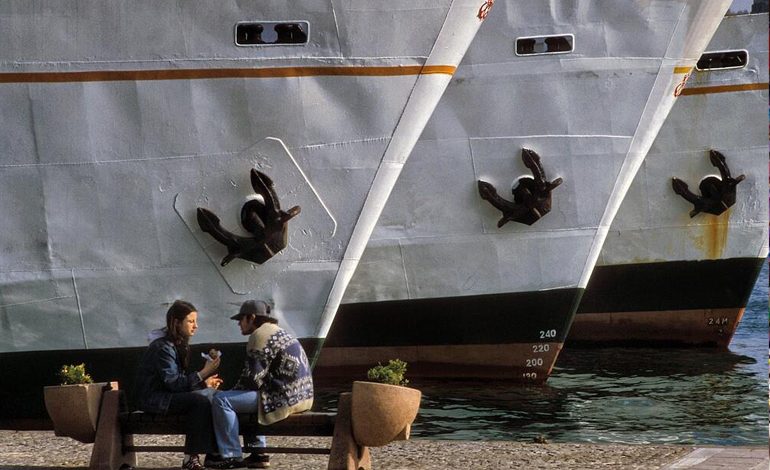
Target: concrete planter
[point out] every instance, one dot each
(74, 409)
(382, 413)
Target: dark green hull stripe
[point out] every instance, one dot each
(673, 285)
(479, 319)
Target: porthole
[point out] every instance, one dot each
(271, 33)
(723, 60)
(539, 45)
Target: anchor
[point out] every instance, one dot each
(261, 217)
(717, 195)
(531, 196)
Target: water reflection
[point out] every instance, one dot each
(610, 395)
(625, 395)
(662, 396)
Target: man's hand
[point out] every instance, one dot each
(214, 381)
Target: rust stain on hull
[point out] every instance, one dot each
(713, 238)
(516, 362)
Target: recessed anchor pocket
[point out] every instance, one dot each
(531, 196)
(717, 195)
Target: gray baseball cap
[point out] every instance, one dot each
(254, 307)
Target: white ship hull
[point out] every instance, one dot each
(119, 121)
(666, 277)
(440, 285)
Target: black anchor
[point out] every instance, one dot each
(717, 195)
(531, 196)
(263, 218)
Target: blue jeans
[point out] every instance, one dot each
(224, 408)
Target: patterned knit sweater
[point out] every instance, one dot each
(277, 367)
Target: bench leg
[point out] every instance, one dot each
(345, 453)
(107, 453)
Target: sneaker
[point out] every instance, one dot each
(230, 462)
(193, 464)
(211, 459)
(257, 460)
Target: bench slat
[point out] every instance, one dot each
(264, 450)
(114, 445)
(301, 424)
(160, 428)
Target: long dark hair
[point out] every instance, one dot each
(174, 317)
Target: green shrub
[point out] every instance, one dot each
(74, 374)
(392, 374)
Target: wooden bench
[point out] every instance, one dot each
(114, 447)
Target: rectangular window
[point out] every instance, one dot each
(271, 33)
(539, 45)
(723, 60)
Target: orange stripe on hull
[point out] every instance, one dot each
(207, 74)
(704, 90)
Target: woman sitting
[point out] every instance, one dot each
(163, 386)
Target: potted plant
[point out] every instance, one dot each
(383, 409)
(74, 405)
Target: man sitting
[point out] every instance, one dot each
(276, 382)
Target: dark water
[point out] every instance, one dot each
(675, 396)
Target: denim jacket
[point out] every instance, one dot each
(160, 374)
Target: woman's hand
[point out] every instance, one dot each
(210, 368)
(214, 381)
